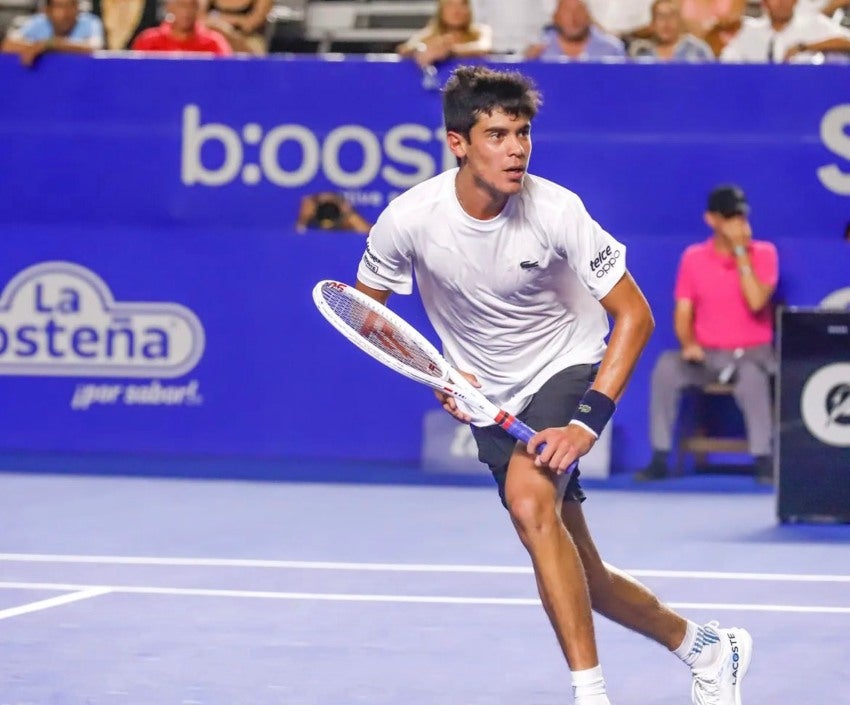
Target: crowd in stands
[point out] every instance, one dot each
(217, 28)
(769, 31)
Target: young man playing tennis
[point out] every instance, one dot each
(518, 280)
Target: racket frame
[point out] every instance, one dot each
(449, 380)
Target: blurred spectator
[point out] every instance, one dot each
(723, 32)
(329, 211)
(625, 18)
(61, 27)
(124, 20)
(703, 18)
(183, 31)
(515, 24)
(573, 36)
(723, 320)
(242, 23)
(824, 7)
(781, 35)
(451, 32)
(669, 41)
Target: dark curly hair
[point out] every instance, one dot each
(473, 91)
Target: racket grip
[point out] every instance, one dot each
(524, 433)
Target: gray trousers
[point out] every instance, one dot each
(672, 374)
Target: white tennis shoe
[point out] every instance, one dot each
(720, 682)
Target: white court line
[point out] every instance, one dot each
(83, 593)
(414, 599)
(399, 567)
(271, 595)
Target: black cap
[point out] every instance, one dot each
(728, 200)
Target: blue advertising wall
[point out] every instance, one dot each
(156, 297)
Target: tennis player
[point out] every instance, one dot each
(518, 281)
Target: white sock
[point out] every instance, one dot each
(699, 647)
(589, 687)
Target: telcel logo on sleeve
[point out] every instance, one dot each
(59, 319)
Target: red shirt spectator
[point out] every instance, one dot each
(200, 39)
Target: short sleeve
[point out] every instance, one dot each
(94, 36)
(145, 41)
(222, 46)
(35, 29)
(731, 53)
(821, 29)
(594, 255)
(684, 290)
(387, 262)
(766, 264)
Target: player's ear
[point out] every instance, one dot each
(710, 220)
(457, 144)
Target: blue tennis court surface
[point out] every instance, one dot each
(171, 592)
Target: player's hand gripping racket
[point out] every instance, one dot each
(388, 338)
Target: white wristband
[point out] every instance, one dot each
(584, 426)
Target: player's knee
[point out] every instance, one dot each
(533, 516)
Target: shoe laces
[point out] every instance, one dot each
(705, 691)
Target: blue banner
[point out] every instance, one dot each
(155, 296)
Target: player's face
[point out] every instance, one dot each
(497, 152)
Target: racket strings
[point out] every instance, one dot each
(379, 331)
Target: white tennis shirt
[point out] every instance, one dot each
(514, 299)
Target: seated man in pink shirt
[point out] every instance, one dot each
(724, 322)
(183, 31)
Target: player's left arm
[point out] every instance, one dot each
(633, 324)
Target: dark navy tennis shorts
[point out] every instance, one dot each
(553, 405)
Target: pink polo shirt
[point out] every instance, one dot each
(709, 280)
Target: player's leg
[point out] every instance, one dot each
(617, 595)
(531, 495)
(531, 498)
(718, 657)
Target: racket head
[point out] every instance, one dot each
(390, 339)
(380, 333)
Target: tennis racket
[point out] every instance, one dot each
(388, 338)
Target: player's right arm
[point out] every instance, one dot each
(387, 262)
(447, 401)
(386, 267)
(380, 295)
